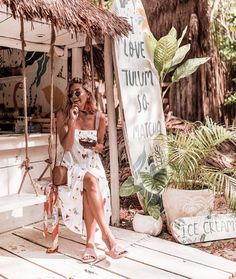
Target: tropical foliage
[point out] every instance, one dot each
(231, 99)
(168, 55)
(188, 153)
(186, 166)
(224, 34)
(107, 3)
(224, 28)
(152, 183)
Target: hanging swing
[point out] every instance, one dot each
(41, 181)
(20, 200)
(49, 161)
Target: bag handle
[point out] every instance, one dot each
(97, 119)
(55, 160)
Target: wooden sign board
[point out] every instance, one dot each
(204, 228)
(139, 87)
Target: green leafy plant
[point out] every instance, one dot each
(185, 167)
(188, 154)
(224, 28)
(168, 54)
(230, 100)
(107, 3)
(224, 33)
(151, 185)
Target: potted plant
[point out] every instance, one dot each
(179, 174)
(166, 56)
(149, 188)
(188, 170)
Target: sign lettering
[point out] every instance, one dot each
(139, 86)
(204, 228)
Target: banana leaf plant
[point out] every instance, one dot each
(167, 56)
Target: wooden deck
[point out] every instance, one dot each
(22, 255)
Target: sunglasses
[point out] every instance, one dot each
(77, 93)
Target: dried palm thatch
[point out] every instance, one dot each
(72, 15)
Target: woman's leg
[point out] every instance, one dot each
(90, 222)
(95, 203)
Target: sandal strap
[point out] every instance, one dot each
(89, 252)
(118, 250)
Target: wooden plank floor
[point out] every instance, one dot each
(22, 255)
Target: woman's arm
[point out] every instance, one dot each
(100, 134)
(66, 131)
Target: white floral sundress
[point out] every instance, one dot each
(79, 161)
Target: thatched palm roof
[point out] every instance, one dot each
(73, 15)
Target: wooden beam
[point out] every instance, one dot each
(114, 168)
(77, 62)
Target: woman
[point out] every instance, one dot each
(87, 194)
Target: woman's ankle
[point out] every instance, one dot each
(90, 244)
(109, 241)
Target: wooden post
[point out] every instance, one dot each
(77, 62)
(114, 168)
(24, 90)
(53, 39)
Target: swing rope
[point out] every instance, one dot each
(92, 67)
(26, 162)
(49, 161)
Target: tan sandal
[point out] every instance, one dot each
(52, 250)
(116, 252)
(89, 255)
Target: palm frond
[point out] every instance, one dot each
(184, 153)
(211, 135)
(230, 193)
(214, 178)
(160, 156)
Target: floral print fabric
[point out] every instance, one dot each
(79, 161)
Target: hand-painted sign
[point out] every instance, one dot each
(204, 228)
(139, 86)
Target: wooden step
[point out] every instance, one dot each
(14, 201)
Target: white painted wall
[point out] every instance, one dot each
(11, 157)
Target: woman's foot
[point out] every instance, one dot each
(89, 255)
(114, 250)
